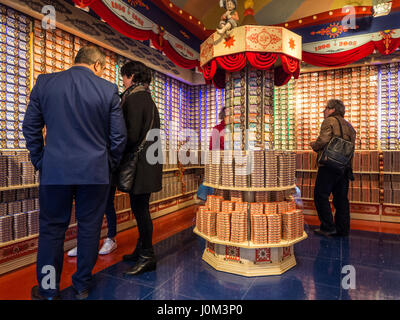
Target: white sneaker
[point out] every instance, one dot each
(109, 246)
(73, 252)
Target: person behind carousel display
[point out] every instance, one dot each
(230, 19)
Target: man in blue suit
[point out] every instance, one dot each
(85, 139)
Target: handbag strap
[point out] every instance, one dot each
(340, 126)
(141, 146)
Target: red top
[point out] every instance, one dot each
(214, 136)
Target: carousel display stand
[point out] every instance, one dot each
(260, 48)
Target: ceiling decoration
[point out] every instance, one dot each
(266, 12)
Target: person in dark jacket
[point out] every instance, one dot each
(328, 181)
(85, 140)
(139, 108)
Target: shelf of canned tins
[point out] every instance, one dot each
(249, 244)
(273, 222)
(33, 232)
(284, 188)
(22, 251)
(255, 170)
(28, 186)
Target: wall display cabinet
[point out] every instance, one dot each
(27, 51)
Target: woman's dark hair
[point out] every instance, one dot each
(338, 106)
(141, 73)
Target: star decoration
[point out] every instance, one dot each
(263, 255)
(229, 42)
(292, 44)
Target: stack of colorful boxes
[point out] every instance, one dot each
(14, 76)
(224, 225)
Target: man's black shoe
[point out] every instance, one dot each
(324, 233)
(35, 295)
(81, 295)
(142, 266)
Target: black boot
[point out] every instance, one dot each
(146, 262)
(135, 254)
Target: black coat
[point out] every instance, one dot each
(137, 109)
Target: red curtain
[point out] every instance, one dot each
(281, 77)
(296, 74)
(262, 61)
(118, 24)
(289, 64)
(156, 44)
(387, 46)
(84, 3)
(339, 59)
(219, 79)
(233, 62)
(122, 27)
(177, 58)
(209, 70)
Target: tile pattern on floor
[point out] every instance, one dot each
(182, 275)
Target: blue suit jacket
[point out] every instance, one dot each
(86, 133)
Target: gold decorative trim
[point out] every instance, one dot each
(251, 38)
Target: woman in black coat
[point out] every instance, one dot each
(138, 108)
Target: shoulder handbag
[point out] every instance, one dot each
(126, 173)
(338, 153)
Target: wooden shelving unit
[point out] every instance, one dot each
(354, 202)
(26, 186)
(173, 197)
(374, 211)
(185, 168)
(356, 172)
(249, 189)
(4, 244)
(24, 250)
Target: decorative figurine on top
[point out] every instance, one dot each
(230, 19)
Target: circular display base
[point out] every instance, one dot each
(215, 186)
(249, 262)
(249, 244)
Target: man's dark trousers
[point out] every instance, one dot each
(55, 214)
(328, 182)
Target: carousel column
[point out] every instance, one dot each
(256, 221)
